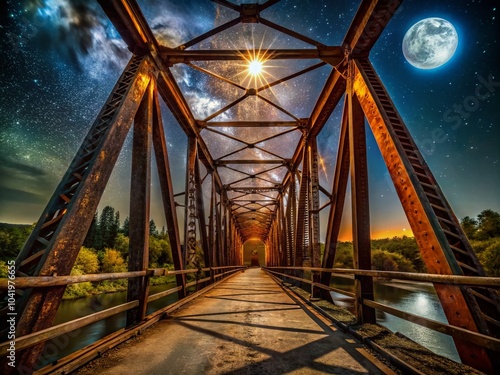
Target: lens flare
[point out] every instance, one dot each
(255, 67)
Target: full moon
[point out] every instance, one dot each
(430, 43)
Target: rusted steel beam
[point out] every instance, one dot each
(332, 55)
(251, 161)
(314, 205)
(167, 191)
(128, 19)
(140, 200)
(302, 240)
(130, 23)
(250, 124)
(414, 182)
(67, 235)
(292, 33)
(368, 24)
(210, 33)
(190, 210)
(339, 190)
(361, 241)
(200, 206)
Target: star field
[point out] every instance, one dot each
(61, 58)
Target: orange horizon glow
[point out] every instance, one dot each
(346, 234)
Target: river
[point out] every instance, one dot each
(412, 297)
(417, 298)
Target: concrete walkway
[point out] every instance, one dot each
(247, 325)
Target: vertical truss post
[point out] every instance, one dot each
(190, 206)
(167, 193)
(291, 209)
(302, 240)
(283, 261)
(339, 190)
(200, 204)
(314, 211)
(211, 226)
(218, 231)
(140, 194)
(54, 243)
(314, 214)
(360, 204)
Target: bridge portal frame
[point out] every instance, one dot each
(54, 244)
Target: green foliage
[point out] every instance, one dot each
(384, 260)
(343, 255)
(78, 290)
(92, 239)
(112, 261)
(388, 254)
(153, 231)
(160, 252)
(469, 225)
(87, 261)
(488, 253)
(490, 258)
(125, 228)
(405, 246)
(109, 223)
(3, 270)
(121, 244)
(12, 239)
(486, 226)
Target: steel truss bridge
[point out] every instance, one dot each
(256, 192)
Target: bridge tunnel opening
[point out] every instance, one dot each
(254, 253)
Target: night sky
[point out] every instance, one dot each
(61, 58)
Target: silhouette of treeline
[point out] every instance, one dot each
(106, 250)
(402, 253)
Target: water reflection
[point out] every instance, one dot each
(61, 346)
(411, 297)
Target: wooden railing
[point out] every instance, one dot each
(488, 342)
(217, 274)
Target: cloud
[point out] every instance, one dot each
(8, 166)
(80, 32)
(10, 195)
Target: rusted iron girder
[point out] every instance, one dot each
(370, 20)
(191, 211)
(89, 172)
(331, 54)
(140, 201)
(167, 192)
(339, 190)
(402, 158)
(361, 240)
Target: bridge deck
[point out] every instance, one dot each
(246, 325)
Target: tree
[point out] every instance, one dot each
(108, 226)
(153, 231)
(488, 224)
(160, 252)
(112, 261)
(87, 261)
(384, 260)
(121, 244)
(469, 225)
(490, 257)
(125, 228)
(91, 240)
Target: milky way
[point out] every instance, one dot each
(60, 59)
